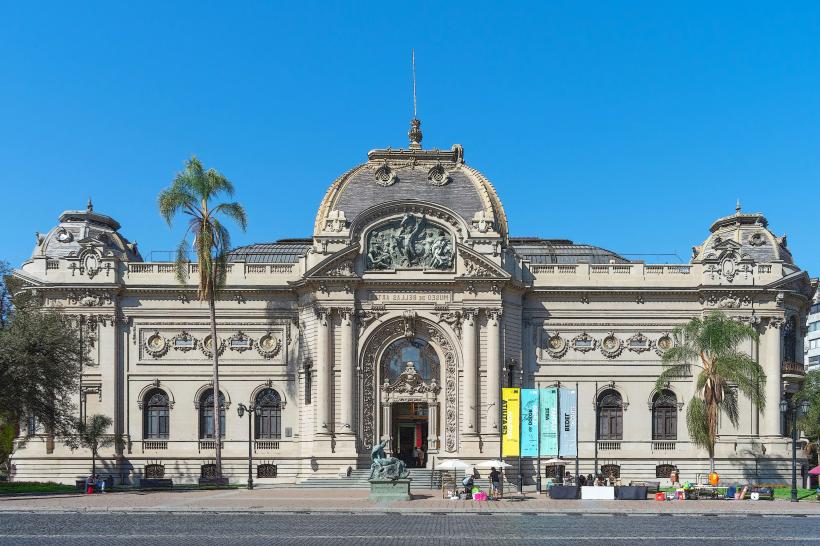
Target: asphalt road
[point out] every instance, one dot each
(20, 528)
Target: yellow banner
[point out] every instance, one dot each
(510, 422)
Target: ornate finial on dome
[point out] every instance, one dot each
(90, 206)
(415, 134)
(737, 207)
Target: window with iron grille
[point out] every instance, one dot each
(154, 471)
(155, 415)
(664, 470)
(268, 415)
(612, 470)
(206, 415)
(266, 471)
(207, 471)
(308, 385)
(665, 416)
(610, 415)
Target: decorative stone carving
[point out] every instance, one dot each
(184, 342)
(366, 316)
(409, 243)
(341, 269)
(409, 318)
(757, 239)
(240, 342)
(336, 221)
(474, 268)
(156, 345)
(88, 298)
(612, 346)
(584, 343)
(482, 221)
(664, 343)
(453, 318)
(728, 300)
(557, 346)
(385, 176)
(775, 322)
(207, 346)
(726, 260)
(638, 343)
(438, 175)
(410, 382)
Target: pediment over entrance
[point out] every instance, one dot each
(410, 387)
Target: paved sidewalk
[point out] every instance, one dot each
(335, 500)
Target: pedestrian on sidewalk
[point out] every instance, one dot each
(495, 483)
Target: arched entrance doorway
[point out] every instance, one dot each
(408, 385)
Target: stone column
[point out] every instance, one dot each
(432, 426)
(469, 402)
(387, 418)
(755, 354)
(324, 369)
(348, 369)
(771, 356)
(493, 370)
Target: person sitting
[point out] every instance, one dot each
(468, 482)
(89, 484)
(100, 483)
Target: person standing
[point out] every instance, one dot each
(495, 483)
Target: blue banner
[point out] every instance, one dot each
(529, 422)
(568, 422)
(549, 422)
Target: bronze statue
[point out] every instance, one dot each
(384, 467)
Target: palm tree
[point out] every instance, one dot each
(91, 434)
(710, 344)
(192, 192)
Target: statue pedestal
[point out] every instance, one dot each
(389, 490)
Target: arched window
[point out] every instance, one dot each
(790, 341)
(268, 415)
(155, 415)
(665, 416)
(417, 351)
(206, 415)
(610, 415)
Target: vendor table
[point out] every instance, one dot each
(563, 492)
(709, 492)
(589, 492)
(631, 492)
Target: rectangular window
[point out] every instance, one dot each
(31, 425)
(308, 386)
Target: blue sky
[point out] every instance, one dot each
(629, 125)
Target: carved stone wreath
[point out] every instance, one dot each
(638, 343)
(557, 346)
(269, 346)
(385, 176)
(438, 175)
(612, 346)
(156, 345)
(664, 343)
(240, 342)
(207, 344)
(584, 343)
(184, 342)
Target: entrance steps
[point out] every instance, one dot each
(423, 478)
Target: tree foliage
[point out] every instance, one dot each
(810, 422)
(40, 356)
(711, 345)
(92, 434)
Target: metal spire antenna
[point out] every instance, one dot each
(413, 59)
(415, 124)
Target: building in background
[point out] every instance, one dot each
(401, 318)
(812, 343)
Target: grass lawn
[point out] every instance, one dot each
(785, 493)
(9, 488)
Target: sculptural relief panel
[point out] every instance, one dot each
(410, 242)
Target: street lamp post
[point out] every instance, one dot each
(241, 409)
(796, 410)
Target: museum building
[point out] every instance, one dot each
(401, 318)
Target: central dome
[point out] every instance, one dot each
(415, 175)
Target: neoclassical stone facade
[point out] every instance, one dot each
(402, 318)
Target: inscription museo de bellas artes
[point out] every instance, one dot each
(399, 297)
